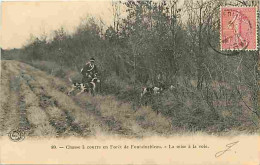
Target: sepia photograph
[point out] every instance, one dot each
(140, 76)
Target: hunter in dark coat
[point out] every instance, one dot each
(89, 71)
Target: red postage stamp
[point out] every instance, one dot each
(238, 28)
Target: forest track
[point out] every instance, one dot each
(37, 102)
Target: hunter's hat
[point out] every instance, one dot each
(92, 59)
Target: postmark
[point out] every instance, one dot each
(16, 135)
(238, 28)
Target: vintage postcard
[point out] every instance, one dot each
(130, 82)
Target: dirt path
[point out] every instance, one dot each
(37, 102)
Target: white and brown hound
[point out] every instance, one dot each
(150, 91)
(154, 90)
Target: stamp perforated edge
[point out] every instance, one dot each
(256, 26)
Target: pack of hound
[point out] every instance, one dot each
(85, 87)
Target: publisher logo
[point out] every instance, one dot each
(16, 135)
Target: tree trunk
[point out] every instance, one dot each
(200, 54)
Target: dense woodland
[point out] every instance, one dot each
(177, 44)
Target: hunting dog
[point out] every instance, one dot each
(85, 87)
(154, 90)
(150, 91)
